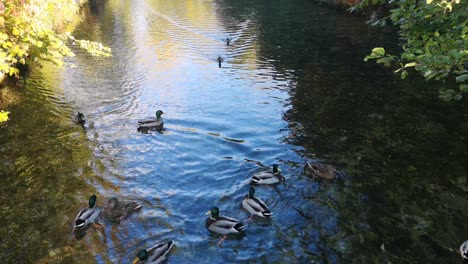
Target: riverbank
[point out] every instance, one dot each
(38, 31)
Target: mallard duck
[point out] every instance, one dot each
(80, 118)
(153, 123)
(266, 177)
(464, 251)
(324, 171)
(219, 59)
(87, 216)
(222, 225)
(116, 211)
(255, 206)
(154, 254)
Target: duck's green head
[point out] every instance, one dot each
(141, 256)
(92, 201)
(276, 169)
(159, 113)
(214, 212)
(251, 192)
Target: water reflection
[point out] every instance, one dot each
(293, 88)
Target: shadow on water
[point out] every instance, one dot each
(46, 165)
(404, 150)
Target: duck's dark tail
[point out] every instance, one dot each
(254, 180)
(267, 213)
(239, 227)
(79, 223)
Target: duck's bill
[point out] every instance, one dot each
(135, 261)
(208, 213)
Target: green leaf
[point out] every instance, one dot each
(404, 74)
(454, 53)
(462, 78)
(379, 51)
(411, 64)
(464, 88)
(429, 2)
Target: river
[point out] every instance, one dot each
(293, 88)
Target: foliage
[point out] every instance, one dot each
(435, 35)
(33, 30)
(3, 116)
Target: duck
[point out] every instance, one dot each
(266, 177)
(464, 251)
(80, 118)
(155, 254)
(154, 123)
(87, 216)
(222, 225)
(116, 211)
(323, 171)
(255, 206)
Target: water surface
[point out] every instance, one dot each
(292, 88)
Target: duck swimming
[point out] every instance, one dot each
(222, 225)
(255, 206)
(464, 251)
(317, 170)
(152, 123)
(155, 254)
(87, 216)
(116, 211)
(266, 177)
(80, 119)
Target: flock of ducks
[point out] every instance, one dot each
(224, 225)
(115, 211)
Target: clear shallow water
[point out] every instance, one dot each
(293, 87)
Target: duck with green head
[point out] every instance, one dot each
(116, 210)
(152, 123)
(267, 177)
(155, 254)
(255, 206)
(87, 216)
(222, 225)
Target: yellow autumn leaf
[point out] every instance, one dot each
(3, 116)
